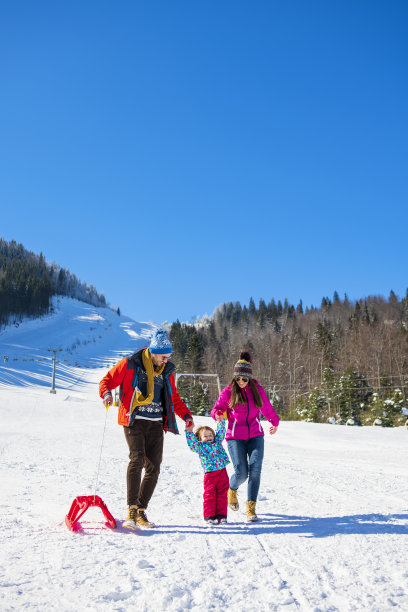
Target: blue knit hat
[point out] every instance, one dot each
(160, 343)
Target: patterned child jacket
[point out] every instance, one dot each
(212, 454)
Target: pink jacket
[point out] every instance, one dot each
(244, 420)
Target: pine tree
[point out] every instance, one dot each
(195, 351)
(393, 299)
(193, 395)
(352, 394)
(199, 401)
(315, 410)
(262, 310)
(386, 410)
(329, 384)
(236, 314)
(272, 310)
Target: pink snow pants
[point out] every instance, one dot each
(216, 494)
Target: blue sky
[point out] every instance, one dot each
(179, 155)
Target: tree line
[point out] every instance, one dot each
(343, 362)
(28, 282)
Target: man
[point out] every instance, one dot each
(149, 402)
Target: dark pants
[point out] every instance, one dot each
(145, 442)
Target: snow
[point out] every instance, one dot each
(333, 507)
(85, 337)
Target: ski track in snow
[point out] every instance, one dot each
(333, 509)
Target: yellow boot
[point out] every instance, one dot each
(251, 514)
(142, 520)
(233, 499)
(130, 522)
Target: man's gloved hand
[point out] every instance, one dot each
(189, 423)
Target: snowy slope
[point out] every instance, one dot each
(333, 505)
(86, 336)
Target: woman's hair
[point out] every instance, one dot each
(238, 398)
(199, 431)
(236, 391)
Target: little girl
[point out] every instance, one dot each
(213, 457)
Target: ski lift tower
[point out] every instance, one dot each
(54, 349)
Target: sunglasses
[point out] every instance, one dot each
(241, 378)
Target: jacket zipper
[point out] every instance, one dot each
(247, 417)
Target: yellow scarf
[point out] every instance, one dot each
(138, 397)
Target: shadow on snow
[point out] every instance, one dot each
(307, 526)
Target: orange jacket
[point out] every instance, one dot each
(126, 374)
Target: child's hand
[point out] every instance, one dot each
(189, 424)
(219, 416)
(273, 429)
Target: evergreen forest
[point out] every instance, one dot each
(27, 284)
(343, 362)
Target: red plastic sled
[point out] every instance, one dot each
(81, 505)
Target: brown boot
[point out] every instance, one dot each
(130, 522)
(142, 520)
(233, 499)
(251, 514)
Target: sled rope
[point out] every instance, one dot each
(100, 454)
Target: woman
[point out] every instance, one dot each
(242, 401)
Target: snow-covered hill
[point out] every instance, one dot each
(333, 504)
(86, 337)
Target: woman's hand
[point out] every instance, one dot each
(273, 429)
(219, 416)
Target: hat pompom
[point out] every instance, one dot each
(245, 355)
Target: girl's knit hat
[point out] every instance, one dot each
(243, 367)
(160, 343)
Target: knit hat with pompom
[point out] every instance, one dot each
(243, 367)
(160, 343)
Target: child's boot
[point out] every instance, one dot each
(251, 514)
(233, 499)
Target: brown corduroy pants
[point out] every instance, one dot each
(145, 442)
